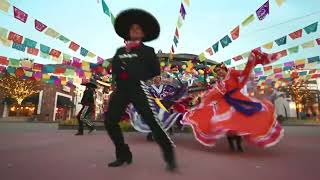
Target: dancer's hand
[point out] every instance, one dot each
(261, 57)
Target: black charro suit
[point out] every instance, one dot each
(129, 70)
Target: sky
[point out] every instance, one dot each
(206, 22)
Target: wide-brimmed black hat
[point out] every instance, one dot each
(91, 84)
(148, 23)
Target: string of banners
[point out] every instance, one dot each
(22, 16)
(181, 18)
(39, 76)
(285, 79)
(261, 13)
(84, 71)
(49, 73)
(26, 68)
(311, 63)
(27, 45)
(295, 35)
(285, 52)
(106, 10)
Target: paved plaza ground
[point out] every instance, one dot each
(38, 151)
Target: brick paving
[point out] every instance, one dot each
(32, 151)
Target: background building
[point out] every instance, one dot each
(51, 103)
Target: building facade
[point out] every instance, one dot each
(51, 104)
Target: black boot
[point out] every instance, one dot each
(91, 129)
(239, 144)
(170, 131)
(169, 157)
(167, 150)
(149, 137)
(79, 134)
(80, 128)
(123, 155)
(230, 141)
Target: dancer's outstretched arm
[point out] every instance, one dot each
(255, 58)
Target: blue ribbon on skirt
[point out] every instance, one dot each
(246, 107)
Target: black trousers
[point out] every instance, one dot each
(84, 117)
(137, 94)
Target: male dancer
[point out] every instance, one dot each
(87, 109)
(131, 66)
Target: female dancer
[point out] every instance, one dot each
(224, 110)
(163, 97)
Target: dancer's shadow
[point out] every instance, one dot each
(222, 148)
(188, 142)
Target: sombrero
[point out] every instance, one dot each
(127, 18)
(90, 83)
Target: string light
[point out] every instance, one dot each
(17, 88)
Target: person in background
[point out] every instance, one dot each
(87, 111)
(281, 107)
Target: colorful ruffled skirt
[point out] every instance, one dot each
(166, 119)
(215, 118)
